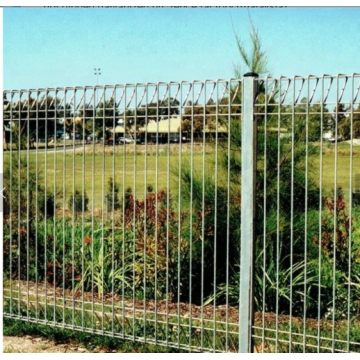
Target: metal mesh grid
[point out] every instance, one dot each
(309, 136)
(104, 233)
(123, 215)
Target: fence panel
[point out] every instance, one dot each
(117, 219)
(216, 216)
(307, 248)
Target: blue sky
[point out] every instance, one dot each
(60, 47)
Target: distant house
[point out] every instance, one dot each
(163, 131)
(121, 131)
(169, 129)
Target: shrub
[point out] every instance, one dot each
(78, 202)
(152, 232)
(50, 204)
(128, 198)
(20, 203)
(337, 223)
(112, 200)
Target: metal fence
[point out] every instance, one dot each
(216, 216)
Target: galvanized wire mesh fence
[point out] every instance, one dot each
(131, 209)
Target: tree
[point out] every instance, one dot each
(17, 121)
(339, 119)
(200, 116)
(356, 123)
(227, 231)
(107, 111)
(85, 112)
(157, 110)
(256, 61)
(308, 119)
(344, 123)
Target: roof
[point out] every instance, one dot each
(119, 129)
(171, 125)
(163, 127)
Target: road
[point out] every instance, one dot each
(50, 149)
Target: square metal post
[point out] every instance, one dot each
(248, 186)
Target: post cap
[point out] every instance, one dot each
(252, 74)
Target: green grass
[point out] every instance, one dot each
(159, 329)
(86, 340)
(69, 168)
(157, 170)
(275, 340)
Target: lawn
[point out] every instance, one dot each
(92, 172)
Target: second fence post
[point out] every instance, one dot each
(248, 186)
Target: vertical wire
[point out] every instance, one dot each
(27, 203)
(240, 222)
(278, 222)
(54, 205)
(37, 205)
(83, 215)
(145, 204)
(350, 211)
(123, 222)
(179, 222)
(292, 213)
(92, 210)
(167, 220)
(157, 204)
(203, 224)
(191, 210)
(112, 221)
(134, 205)
(102, 214)
(10, 206)
(45, 198)
(64, 204)
(265, 204)
(19, 207)
(73, 220)
(227, 214)
(320, 210)
(306, 210)
(216, 211)
(335, 210)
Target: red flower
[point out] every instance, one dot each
(87, 240)
(78, 277)
(49, 273)
(50, 265)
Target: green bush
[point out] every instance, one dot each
(46, 204)
(340, 255)
(78, 202)
(21, 216)
(112, 200)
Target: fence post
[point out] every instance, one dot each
(248, 186)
